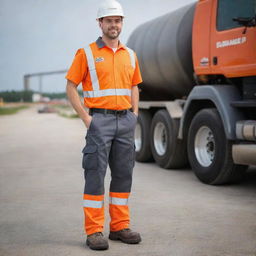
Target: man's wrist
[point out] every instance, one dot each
(135, 112)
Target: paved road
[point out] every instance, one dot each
(41, 185)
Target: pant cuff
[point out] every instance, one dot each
(119, 227)
(90, 232)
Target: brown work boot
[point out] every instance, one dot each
(96, 241)
(126, 236)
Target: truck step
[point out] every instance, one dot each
(244, 104)
(246, 130)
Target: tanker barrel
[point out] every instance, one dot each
(164, 50)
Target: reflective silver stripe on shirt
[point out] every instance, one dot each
(93, 203)
(118, 201)
(132, 56)
(107, 92)
(92, 69)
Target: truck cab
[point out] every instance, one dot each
(224, 36)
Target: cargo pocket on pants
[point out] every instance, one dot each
(90, 161)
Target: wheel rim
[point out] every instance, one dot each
(160, 138)
(138, 139)
(204, 146)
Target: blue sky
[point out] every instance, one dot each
(43, 35)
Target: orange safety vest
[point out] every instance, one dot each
(110, 82)
(107, 76)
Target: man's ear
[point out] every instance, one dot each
(99, 22)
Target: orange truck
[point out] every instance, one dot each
(198, 97)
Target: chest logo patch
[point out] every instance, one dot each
(99, 59)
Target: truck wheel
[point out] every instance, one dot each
(209, 151)
(142, 137)
(167, 150)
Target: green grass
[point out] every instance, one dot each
(64, 111)
(11, 110)
(68, 116)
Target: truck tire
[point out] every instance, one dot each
(142, 137)
(167, 150)
(209, 151)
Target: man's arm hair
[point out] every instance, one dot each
(135, 99)
(75, 101)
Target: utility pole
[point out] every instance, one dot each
(40, 84)
(26, 82)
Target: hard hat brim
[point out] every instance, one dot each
(111, 14)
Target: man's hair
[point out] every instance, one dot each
(101, 19)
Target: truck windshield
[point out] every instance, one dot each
(229, 9)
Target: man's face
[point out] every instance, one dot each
(111, 26)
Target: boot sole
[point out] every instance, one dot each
(97, 248)
(126, 241)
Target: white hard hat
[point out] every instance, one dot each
(110, 8)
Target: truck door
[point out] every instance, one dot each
(233, 48)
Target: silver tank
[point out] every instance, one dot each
(164, 50)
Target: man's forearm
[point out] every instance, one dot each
(135, 99)
(75, 101)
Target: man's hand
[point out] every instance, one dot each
(88, 121)
(135, 113)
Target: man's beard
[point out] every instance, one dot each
(111, 35)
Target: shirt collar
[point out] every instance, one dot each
(100, 43)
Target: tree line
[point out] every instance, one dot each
(26, 96)
(16, 96)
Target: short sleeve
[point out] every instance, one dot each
(78, 68)
(137, 75)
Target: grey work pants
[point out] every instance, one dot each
(109, 140)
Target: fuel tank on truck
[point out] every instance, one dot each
(164, 50)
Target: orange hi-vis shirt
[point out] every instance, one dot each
(107, 77)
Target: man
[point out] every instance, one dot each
(109, 73)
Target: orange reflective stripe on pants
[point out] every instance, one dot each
(119, 211)
(94, 213)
